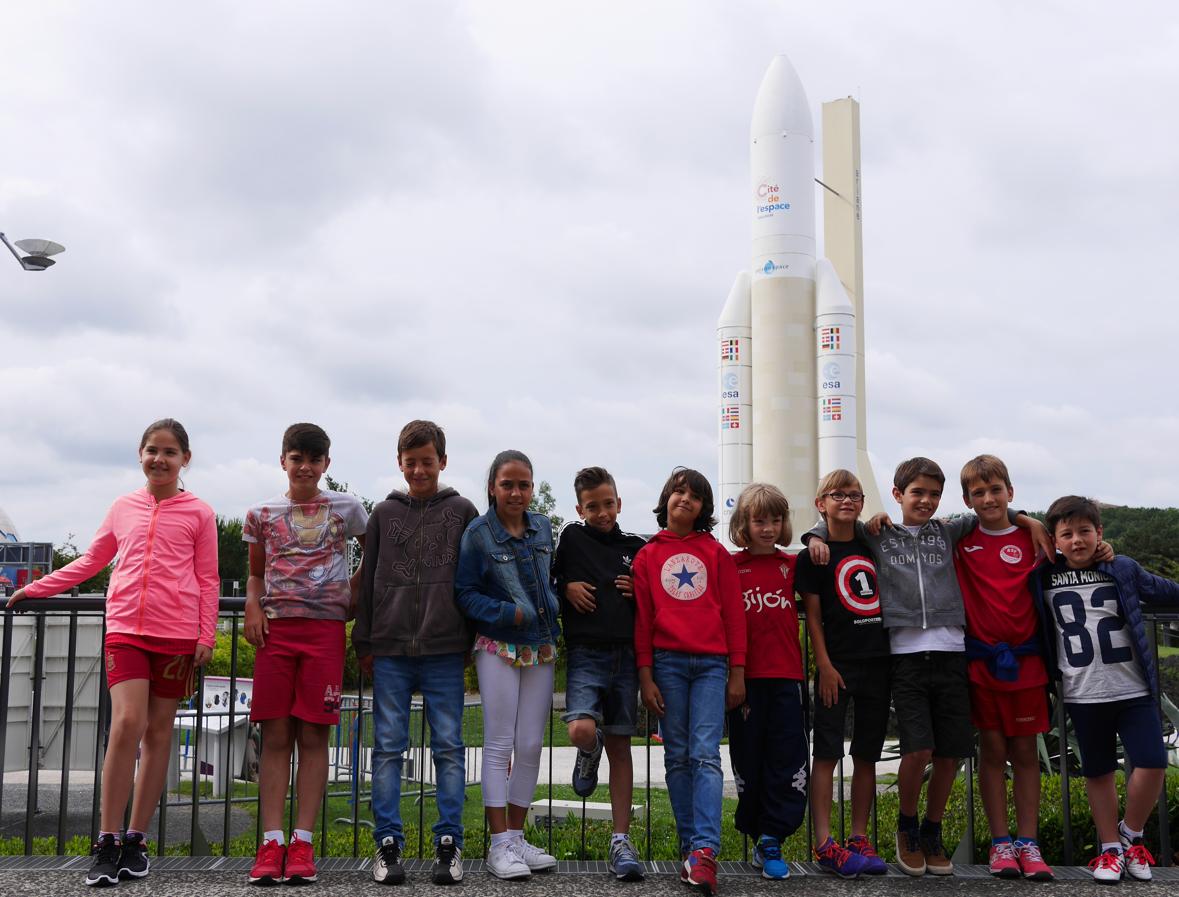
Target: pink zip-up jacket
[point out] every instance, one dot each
(165, 583)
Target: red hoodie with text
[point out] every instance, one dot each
(687, 598)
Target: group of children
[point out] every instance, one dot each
(957, 622)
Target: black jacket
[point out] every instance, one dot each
(586, 555)
(406, 605)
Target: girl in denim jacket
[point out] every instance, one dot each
(503, 585)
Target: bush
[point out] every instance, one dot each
(220, 665)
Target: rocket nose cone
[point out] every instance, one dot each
(781, 103)
(830, 296)
(737, 306)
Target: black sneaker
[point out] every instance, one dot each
(585, 770)
(448, 862)
(387, 867)
(133, 857)
(104, 869)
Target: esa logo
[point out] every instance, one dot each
(831, 376)
(730, 386)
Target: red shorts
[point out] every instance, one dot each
(1014, 713)
(165, 663)
(300, 671)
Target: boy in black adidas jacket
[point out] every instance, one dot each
(592, 569)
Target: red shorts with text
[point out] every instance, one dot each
(165, 663)
(1014, 713)
(299, 672)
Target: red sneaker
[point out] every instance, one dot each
(1004, 861)
(268, 864)
(699, 871)
(1031, 863)
(300, 867)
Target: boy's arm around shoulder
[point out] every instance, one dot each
(1152, 589)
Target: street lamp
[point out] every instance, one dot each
(37, 255)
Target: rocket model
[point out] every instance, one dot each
(788, 365)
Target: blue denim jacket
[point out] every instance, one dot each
(498, 573)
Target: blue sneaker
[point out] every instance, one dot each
(624, 862)
(858, 844)
(838, 860)
(585, 770)
(767, 856)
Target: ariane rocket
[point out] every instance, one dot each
(788, 347)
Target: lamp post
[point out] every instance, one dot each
(37, 253)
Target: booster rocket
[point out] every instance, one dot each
(787, 369)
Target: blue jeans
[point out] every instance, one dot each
(693, 689)
(439, 678)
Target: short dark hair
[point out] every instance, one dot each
(591, 478)
(418, 433)
(698, 483)
(308, 438)
(987, 468)
(501, 459)
(908, 471)
(172, 426)
(1072, 507)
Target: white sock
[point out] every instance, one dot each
(499, 838)
(1127, 831)
(619, 836)
(1117, 845)
(303, 835)
(516, 834)
(274, 836)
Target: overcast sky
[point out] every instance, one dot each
(521, 220)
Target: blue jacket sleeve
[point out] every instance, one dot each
(1155, 589)
(470, 587)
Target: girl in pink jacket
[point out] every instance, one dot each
(161, 616)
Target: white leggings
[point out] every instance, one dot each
(516, 702)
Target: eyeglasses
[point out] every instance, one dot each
(856, 497)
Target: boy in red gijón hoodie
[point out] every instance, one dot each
(690, 651)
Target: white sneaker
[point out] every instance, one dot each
(1107, 866)
(1137, 858)
(503, 861)
(533, 857)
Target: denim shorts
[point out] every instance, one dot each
(602, 684)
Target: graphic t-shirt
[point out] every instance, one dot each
(849, 599)
(306, 553)
(1094, 646)
(993, 568)
(771, 615)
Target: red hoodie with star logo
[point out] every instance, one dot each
(687, 598)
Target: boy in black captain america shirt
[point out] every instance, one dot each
(852, 659)
(592, 569)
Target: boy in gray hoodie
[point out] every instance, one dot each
(410, 636)
(922, 609)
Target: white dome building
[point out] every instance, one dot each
(7, 528)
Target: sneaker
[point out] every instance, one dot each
(909, 855)
(1004, 861)
(300, 865)
(268, 864)
(503, 862)
(767, 856)
(104, 868)
(387, 866)
(448, 861)
(585, 770)
(861, 845)
(936, 861)
(624, 863)
(133, 857)
(1137, 858)
(699, 871)
(1031, 862)
(1107, 867)
(533, 857)
(839, 860)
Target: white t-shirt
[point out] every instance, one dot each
(1094, 646)
(913, 639)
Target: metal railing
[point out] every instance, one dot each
(349, 755)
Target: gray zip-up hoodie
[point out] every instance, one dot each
(917, 581)
(406, 605)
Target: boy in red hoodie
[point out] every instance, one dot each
(690, 651)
